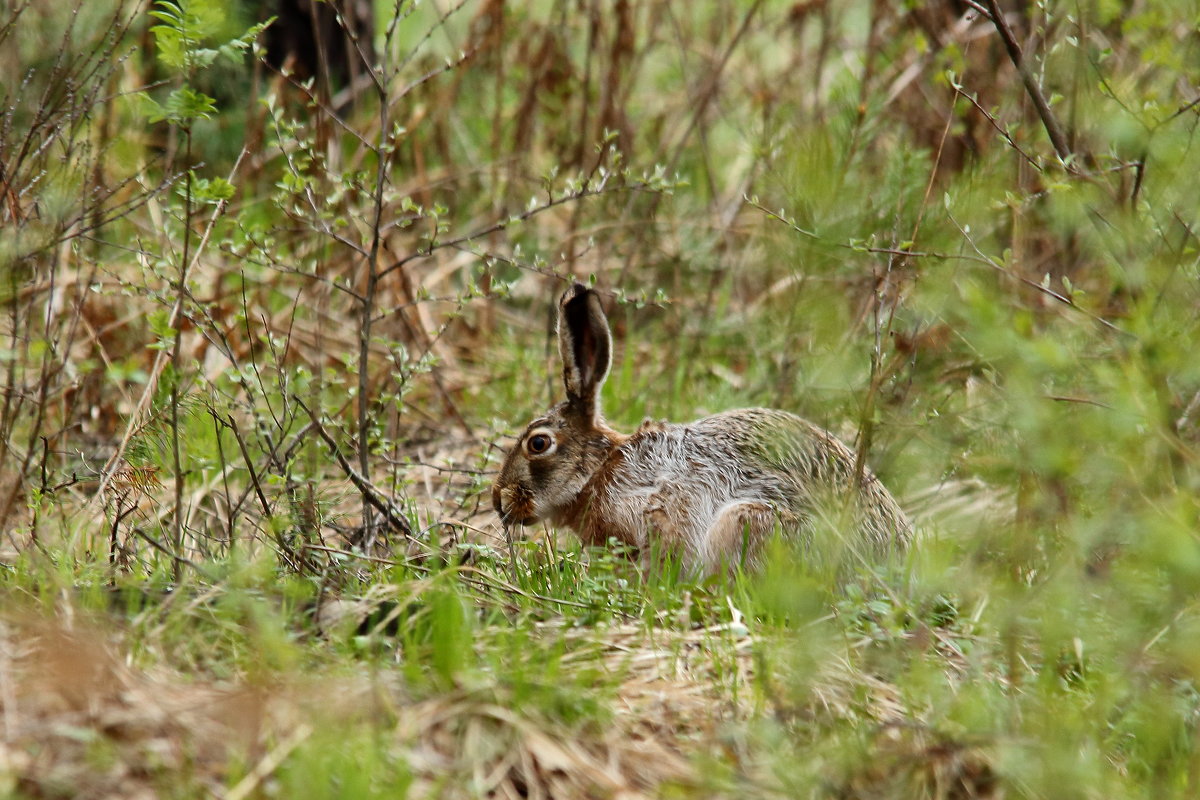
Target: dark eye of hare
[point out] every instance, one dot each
(539, 443)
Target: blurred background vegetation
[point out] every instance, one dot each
(275, 298)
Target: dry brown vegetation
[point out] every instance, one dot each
(268, 316)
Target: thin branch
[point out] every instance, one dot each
(958, 89)
(369, 492)
(1057, 136)
(176, 559)
(979, 258)
(1182, 110)
(500, 225)
(1046, 290)
(160, 362)
(1059, 398)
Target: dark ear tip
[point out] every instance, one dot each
(577, 291)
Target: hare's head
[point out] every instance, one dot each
(561, 450)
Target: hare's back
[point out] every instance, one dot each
(815, 472)
(780, 443)
(747, 454)
(683, 478)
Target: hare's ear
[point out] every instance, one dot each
(585, 346)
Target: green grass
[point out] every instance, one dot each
(838, 233)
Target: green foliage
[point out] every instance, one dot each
(180, 38)
(211, 190)
(188, 25)
(183, 107)
(309, 367)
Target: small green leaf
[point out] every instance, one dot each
(184, 105)
(214, 190)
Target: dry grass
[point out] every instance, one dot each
(81, 719)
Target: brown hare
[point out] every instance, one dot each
(709, 493)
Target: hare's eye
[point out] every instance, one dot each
(539, 443)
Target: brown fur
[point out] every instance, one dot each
(710, 493)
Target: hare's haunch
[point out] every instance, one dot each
(709, 492)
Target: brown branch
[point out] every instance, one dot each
(1059, 398)
(979, 258)
(1058, 137)
(369, 492)
(176, 559)
(1182, 110)
(586, 190)
(296, 560)
(958, 89)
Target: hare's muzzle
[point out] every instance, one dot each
(497, 502)
(514, 504)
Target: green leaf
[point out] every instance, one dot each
(202, 57)
(184, 105)
(148, 106)
(214, 190)
(185, 27)
(160, 325)
(234, 49)
(172, 48)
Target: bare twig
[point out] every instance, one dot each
(588, 190)
(1086, 401)
(1058, 137)
(1046, 290)
(369, 492)
(269, 763)
(1186, 416)
(979, 258)
(176, 559)
(1186, 107)
(958, 88)
(113, 536)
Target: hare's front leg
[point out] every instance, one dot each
(668, 526)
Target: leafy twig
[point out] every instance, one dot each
(369, 492)
(1058, 137)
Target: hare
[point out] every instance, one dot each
(709, 493)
